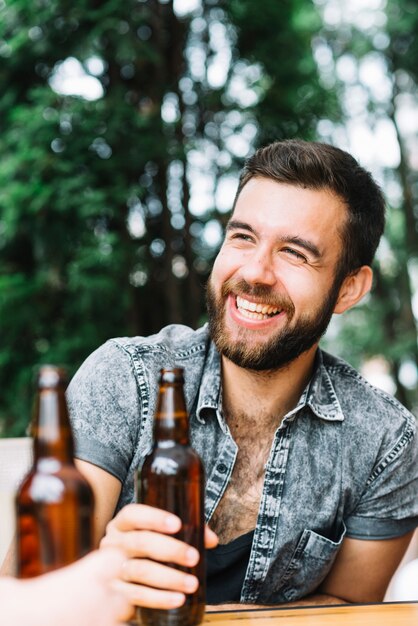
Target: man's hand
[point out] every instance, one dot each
(143, 533)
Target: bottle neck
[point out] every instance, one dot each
(52, 430)
(171, 421)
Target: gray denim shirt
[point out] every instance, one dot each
(343, 462)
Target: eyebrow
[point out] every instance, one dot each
(236, 225)
(298, 241)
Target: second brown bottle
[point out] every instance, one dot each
(172, 479)
(54, 502)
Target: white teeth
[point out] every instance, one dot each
(255, 310)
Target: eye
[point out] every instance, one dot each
(242, 236)
(296, 254)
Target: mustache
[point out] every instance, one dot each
(264, 293)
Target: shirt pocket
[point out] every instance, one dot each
(310, 563)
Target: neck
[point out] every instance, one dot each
(266, 395)
(52, 434)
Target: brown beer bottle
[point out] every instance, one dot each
(54, 504)
(172, 479)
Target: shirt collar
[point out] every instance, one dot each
(319, 394)
(209, 397)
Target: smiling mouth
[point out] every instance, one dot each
(255, 311)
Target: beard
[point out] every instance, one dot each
(282, 348)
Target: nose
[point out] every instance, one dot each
(259, 269)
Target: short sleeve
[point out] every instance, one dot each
(388, 507)
(104, 408)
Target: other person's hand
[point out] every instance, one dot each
(143, 533)
(81, 594)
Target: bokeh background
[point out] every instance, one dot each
(123, 126)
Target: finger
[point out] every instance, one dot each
(123, 609)
(211, 538)
(154, 546)
(159, 576)
(139, 595)
(141, 516)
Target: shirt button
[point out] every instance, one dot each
(222, 468)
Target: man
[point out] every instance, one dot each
(84, 594)
(312, 474)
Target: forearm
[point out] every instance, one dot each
(315, 599)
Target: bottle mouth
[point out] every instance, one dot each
(50, 376)
(172, 375)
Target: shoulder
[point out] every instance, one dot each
(175, 338)
(361, 400)
(128, 367)
(174, 346)
(119, 353)
(379, 450)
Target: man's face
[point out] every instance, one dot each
(273, 287)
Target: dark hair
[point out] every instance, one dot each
(314, 165)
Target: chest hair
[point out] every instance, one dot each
(236, 513)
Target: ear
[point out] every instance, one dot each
(353, 288)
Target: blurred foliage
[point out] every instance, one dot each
(98, 234)
(385, 325)
(280, 38)
(109, 213)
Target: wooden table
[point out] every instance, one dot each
(393, 614)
